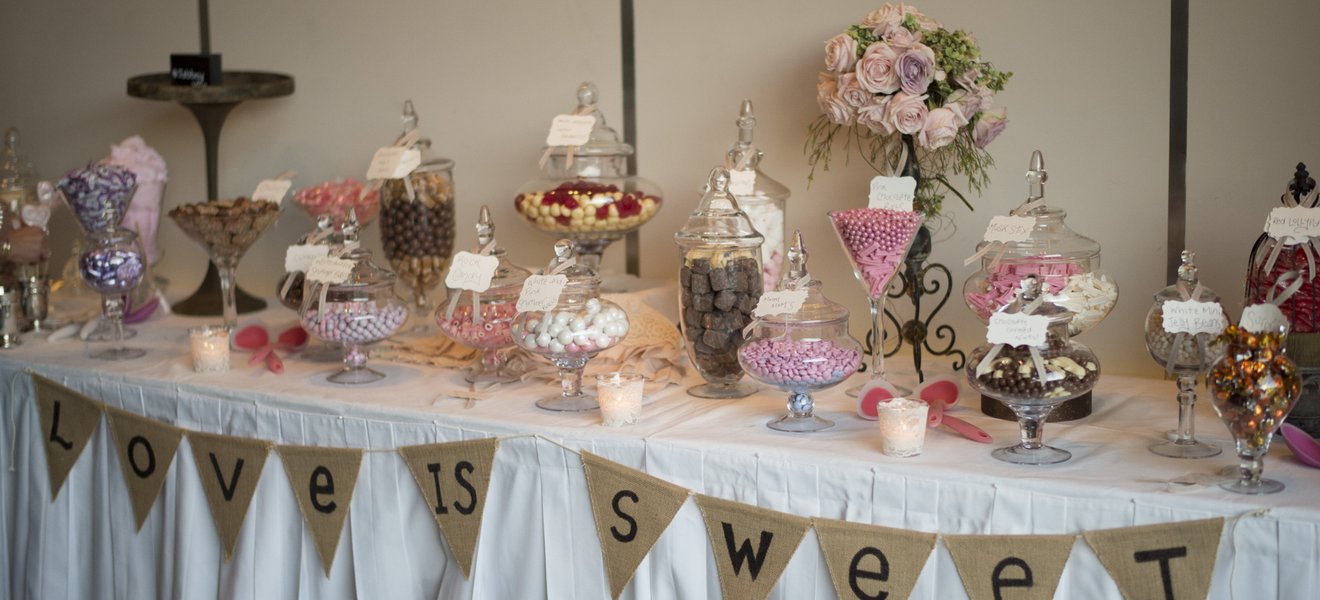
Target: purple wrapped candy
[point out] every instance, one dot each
(98, 194)
(111, 270)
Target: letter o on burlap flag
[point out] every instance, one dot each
(1016, 567)
(146, 449)
(752, 545)
(1169, 560)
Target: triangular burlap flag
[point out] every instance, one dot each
(1010, 567)
(146, 449)
(869, 562)
(230, 468)
(67, 422)
(631, 510)
(454, 478)
(1171, 560)
(323, 480)
(752, 545)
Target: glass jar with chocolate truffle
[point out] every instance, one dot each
(719, 284)
(586, 193)
(417, 222)
(1032, 379)
(804, 350)
(762, 198)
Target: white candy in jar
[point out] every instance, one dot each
(591, 329)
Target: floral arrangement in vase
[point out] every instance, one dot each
(906, 92)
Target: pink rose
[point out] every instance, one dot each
(967, 79)
(851, 92)
(898, 36)
(883, 18)
(872, 116)
(916, 69)
(941, 127)
(990, 125)
(840, 53)
(964, 104)
(877, 70)
(827, 97)
(907, 113)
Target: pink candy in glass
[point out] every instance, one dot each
(876, 240)
(808, 363)
(494, 331)
(335, 198)
(1001, 283)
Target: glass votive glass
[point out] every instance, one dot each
(620, 398)
(902, 426)
(210, 348)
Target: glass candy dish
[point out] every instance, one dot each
(227, 229)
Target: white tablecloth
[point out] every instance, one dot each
(538, 539)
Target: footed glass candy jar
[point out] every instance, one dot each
(580, 326)
(719, 284)
(484, 320)
(1254, 385)
(586, 193)
(113, 265)
(803, 351)
(763, 199)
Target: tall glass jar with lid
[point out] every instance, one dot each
(763, 199)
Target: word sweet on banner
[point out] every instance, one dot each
(1170, 560)
(1010, 566)
(752, 545)
(872, 562)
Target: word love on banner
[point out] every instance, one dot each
(230, 468)
(454, 478)
(146, 449)
(68, 420)
(1194, 317)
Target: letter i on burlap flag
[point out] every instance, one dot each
(1010, 567)
(752, 545)
(631, 510)
(869, 562)
(454, 478)
(1170, 560)
(230, 468)
(323, 480)
(67, 421)
(146, 449)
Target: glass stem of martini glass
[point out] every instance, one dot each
(877, 339)
(227, 268)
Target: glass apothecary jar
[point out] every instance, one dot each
(720, 282)
(113, 265)
(484, 320)
(763, 199)
(803, 351)
(580, 326)
(585, 193)
(289, 288)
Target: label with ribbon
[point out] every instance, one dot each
(892, 193)
(742, 183)
(1260, 318)
(570, 130)
(779, 303)
(272, 190)
(299, 257)
(471, 271)
(328, 269)
(1007, 229)
(1017, 329)
(541, 292)
(1194, 317)
(394, 162)
(1293, 224)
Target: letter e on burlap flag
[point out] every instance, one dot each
(323, 480)
(1170, 560)
(869, 562)
(67, 421)
(146, 449)
(230, 468)
(454, 478)
(752, 545)
(1011, 567)
(631, 510)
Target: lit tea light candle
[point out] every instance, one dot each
(902, 426)
(210, 348)
(620, 397)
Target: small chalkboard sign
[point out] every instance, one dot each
(196, 70)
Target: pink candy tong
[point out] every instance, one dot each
(255, 339)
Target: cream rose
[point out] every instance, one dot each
(827, 97)
(851, 92)
(884, 17)
(990, 125)
(877, 70)
(898, 36)
(964, 104)
(872, 116)
(840, 53)
(941, 127)
(907, 113)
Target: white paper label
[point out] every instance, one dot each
(779, 302)
(570, 130)
(1016, 329)
(329, 269)
(471, 271)
(1259, 318)
(893, 193)
(1191, 316)
(272, 190)
(1293, 224)
(541, 292)
(299, 257)
(742, 183)
(1009, 229)
(394, 162)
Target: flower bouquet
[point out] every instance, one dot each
(912, 97)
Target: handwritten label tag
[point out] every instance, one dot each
(471, 271)
(1017, 329)
(779, 302)
(1194, 317)
(742, 183)
(272, 190)
(328, 269)
(299, 257)
(393, 162)
(1009, 229)
(1259, 318)
(1293, 224)
(541, 292)
(893, 193)
(570, 130)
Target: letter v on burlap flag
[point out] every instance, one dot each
(631, 510)
(1021, 567)
(230, 468)
(454, 478)
(869, 561)
(1170, 560)
(146, 449)
(323, 480)
(752, 545)
(67, 421)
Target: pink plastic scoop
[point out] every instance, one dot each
(1303, 446)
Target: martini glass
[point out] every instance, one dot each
(226, 228)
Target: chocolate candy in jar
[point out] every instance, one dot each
(762, 198)
(720, 283)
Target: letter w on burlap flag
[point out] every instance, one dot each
(67, 421)
(1170, 560)
(454, 478)
(752, 545)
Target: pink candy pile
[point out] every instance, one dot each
(876, 240)
(335, 198)
(799, 363)
(494, 332)
(1003, 280)
(355, 323)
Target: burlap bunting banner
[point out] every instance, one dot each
(323, 480)
(1170, 560)
(67, 422)
(752, 545)
(454, 478)
(869, 562)
(146, 449)
(1010, 567)
(230, 468)
(631, 510)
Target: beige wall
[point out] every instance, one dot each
(1090, 90)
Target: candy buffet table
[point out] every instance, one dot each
(538, 539)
